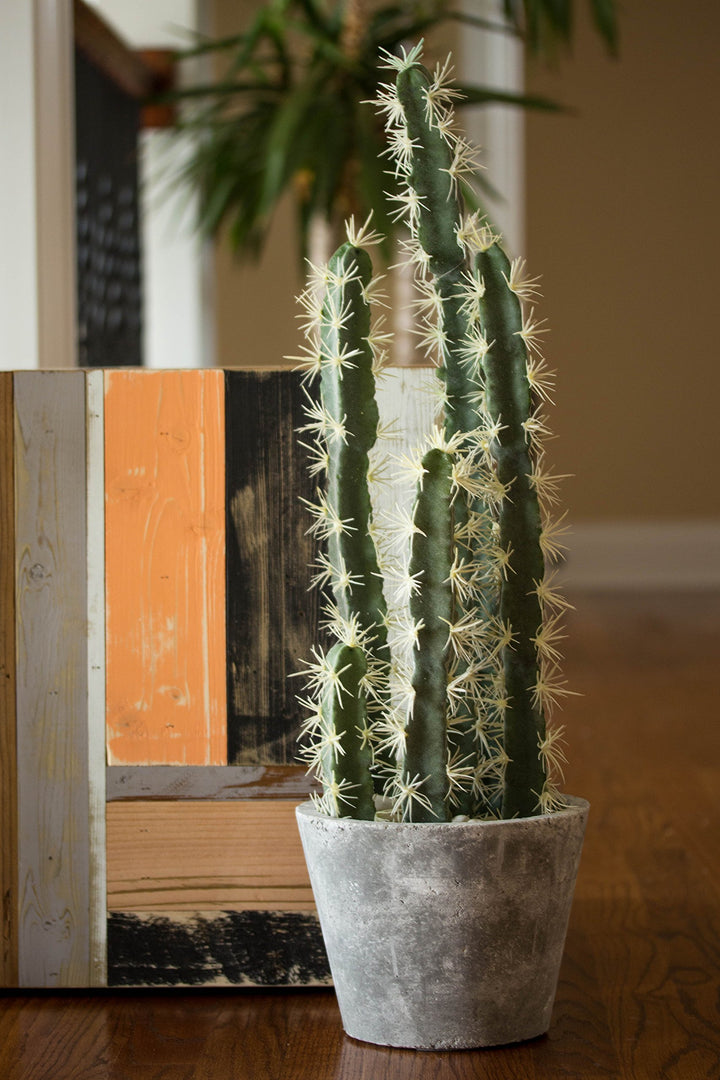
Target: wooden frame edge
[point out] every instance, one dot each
(8, 705)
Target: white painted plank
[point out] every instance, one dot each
(408, 404)
(97, 758)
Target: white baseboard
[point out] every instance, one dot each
(643, 555)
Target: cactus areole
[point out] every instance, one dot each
(435, 702)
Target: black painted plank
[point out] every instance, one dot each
(272, 619)
(239, 948)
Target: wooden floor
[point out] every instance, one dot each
(639, 994)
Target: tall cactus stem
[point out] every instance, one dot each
(437, 222)
(347, 756)
(508, 401)
(347, 388)
(431, 608)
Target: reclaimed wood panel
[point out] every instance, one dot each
(165, 570)
(95, 547)
(272, 619)
(231, 948)
(206, 855)
(8, 747)
(52, 680)
(173, 782)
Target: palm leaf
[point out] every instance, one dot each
(605, 18)
(488, 95)
(283, 151)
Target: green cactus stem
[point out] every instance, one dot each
(435, 218)
(434, 162)
(347, 387)
(509, 403)
(346, 755)
(431, 609)
(453, 687)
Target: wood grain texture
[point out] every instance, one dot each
(645, 750)
(8, 735)
(96, 762)
(52, 679)
(208, 782)
(205, 856)
(165, 570)
(237, 948)
(272, 619)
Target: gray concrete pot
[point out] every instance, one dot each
(444, 936)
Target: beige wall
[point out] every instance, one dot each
(255, 303)
(624, 225)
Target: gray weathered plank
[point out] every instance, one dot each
(52, 679)
(174, 782)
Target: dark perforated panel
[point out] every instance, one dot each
(108, 235)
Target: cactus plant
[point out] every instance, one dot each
(433, 703)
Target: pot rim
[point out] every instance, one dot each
(576, 807)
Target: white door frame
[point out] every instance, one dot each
(496, 59)
(55, 183)
(37, 202)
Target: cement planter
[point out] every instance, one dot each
(444, 936)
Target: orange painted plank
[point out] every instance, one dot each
(165, 567)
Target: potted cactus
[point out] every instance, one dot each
(441, 852)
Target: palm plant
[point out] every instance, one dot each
(287, 112)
